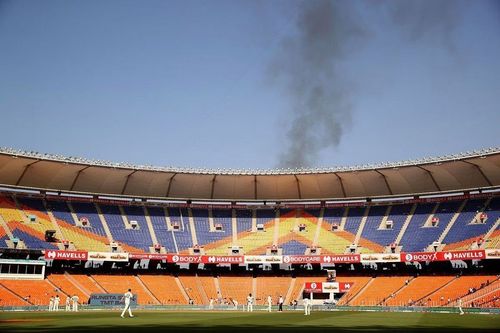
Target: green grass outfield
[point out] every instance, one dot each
(239, 322)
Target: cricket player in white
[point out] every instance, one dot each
(74, 301)
(127, 297)
(235, 302)
(56, 303)
(51, 303)
(269, 303)
(249, 303)
(68, 304)
(211, 304)
(459, 304)
(307, 306)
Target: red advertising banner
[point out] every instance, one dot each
(184, 259)
(151, 256)
(313, 287)
(327, 287)
(223, 259)
(419, 256)
(463, 255)
(65, 255)
(345, 286)
(325, 259)
(341, 258)
(192, 259)
(443, 256)
(302, 259)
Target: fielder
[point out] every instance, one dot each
(74, 301)
(51, 303)
(211, 304)
(127, 297)
(249, 303)
(235, 302)
(459, 304)
(307, 306)
(269, 303)
(56, 303)
(68, 304)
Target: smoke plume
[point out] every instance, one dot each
(309, 64)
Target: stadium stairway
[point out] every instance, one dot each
(236, 287)
(493, 241)
(493, 233)
(358, 284)
(105, 225)
(418, 288)
(277, 228)
(351, 296)
(37, 291)
(60, 282)
(288, 296)
(343, 220)
(98, 285)
(254, 242)
(192, 227)
(85, 283)
(183, 292)
(361, 225)
(150, 225)
(210, 285)
(451, 223)
(77, 285)
(234, 226)
(121, 283)
(480, 293)
(457, 288)
(274, 286)
(39, 227)
(157, 285)
(193, 288)
(378, 290)
(405, 225)
(318, 226)
(146, 289)
(426, 298)
(202, 290)
(53, 220)
(10, 298)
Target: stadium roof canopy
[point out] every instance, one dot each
(478, 170)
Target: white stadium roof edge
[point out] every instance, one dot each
(471, 171)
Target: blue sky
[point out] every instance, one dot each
(188, 83)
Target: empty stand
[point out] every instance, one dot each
(194, 289)
(274, 286)
(164, 235)
(458, 288)
(121, 283)
(359, 282)
(37, 292)
(237, 287)
(379, 290)
(378, 233)
(164, 289)
(419, 288)
(62, 282)
(182, 236)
